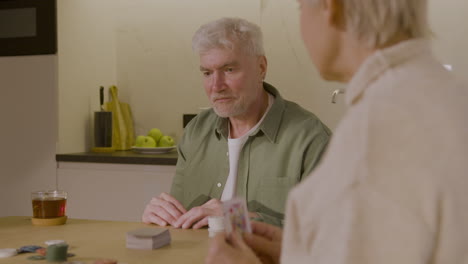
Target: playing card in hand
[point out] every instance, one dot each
(236, 216)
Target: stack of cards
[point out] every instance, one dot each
(148, 238)
(236, 216)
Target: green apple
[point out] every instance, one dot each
(139, 141)
(156, 134)
(166, 141)
(145, 142)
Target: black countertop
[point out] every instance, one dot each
(122, 157)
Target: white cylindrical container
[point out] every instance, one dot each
(215, 225)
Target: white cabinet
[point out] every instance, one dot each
(106, 191)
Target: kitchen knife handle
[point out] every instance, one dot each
(101, 96)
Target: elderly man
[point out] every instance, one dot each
(392, 186)
(251, 144)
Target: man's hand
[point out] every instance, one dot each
(162, 210)
(197, 217)
(265, 240)
(220, 251)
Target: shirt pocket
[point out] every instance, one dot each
(273, 192)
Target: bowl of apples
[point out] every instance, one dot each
(155, 142)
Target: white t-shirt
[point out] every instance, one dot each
(235, 146)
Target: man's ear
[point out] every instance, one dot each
(335, 13)
(263, 63)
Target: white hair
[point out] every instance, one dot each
(229, 33)
(378, 22)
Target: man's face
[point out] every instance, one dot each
(232, 80)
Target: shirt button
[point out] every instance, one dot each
(227, 153)
(219, 184)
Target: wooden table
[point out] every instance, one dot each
(92, 239)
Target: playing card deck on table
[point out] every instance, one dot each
(236, 216)
(148, 238)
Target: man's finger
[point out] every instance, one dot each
(178, 223)
(146, 213)
(174, 201)
(195, 214)
(164, 215)
(145, 218)
(191, 220)
(157, 220)
(149, 211)
(170, 208)
(201, 223)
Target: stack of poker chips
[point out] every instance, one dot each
(215, 225)
(148, 238)
(57, 252)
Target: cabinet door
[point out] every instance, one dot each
(104, 191)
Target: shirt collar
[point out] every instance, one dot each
(376, 64)
(271, 122)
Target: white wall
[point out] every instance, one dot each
(28, 134)
(144, 47)
(449, 24)
(87, 59)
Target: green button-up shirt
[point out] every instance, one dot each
(283, 150)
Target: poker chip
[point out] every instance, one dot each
(28, 249)
(53, 242)
(41, 251)
(57, 252)
(8, 252)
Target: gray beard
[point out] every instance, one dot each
(235, 112)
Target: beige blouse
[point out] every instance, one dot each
(393, 185)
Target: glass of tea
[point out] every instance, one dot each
(49, 205)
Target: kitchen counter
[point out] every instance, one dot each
(121, 157)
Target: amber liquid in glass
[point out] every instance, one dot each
(49, 208)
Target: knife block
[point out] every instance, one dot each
(103, 129)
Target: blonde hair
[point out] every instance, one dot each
(377, 22)
(229, 33)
